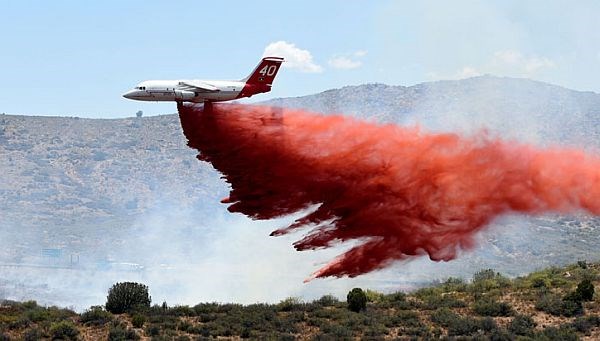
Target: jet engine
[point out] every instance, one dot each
(183, 95)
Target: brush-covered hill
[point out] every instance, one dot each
(551, 304)
(128, 194)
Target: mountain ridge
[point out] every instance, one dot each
(441, 81)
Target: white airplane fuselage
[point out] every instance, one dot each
(198, 91)
(175, 90)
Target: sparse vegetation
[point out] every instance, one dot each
(328, 301)
(560, 333)
(120, 332)
(554, 305)
(95, 316)
(32, 334)
(487, 280)
(522, 325)
(585, 324)
(490, 307)
(138, 320)
(64, 330)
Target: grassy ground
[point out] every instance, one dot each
(540, 306)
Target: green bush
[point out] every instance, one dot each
(290, 304)
(485, 274)
(398, 301)
(585, 290)
(376, 332)
(501, 335)
(20, 323)
(203, 331)
(403, 318)
(127, 296)
(152, 330)
(444, 317)
(30, 304)
(488, 324)
(169, 325)
(181, 310)
(454, 284)
(491, 307)
(206, 308)
(523, 325)
(138, 320)
(398, 296)
(422, 332)
(557, 334)
(461, 326)
(440, 301)
(184, 326)
(120, 332)
(539, 283)
(64, 330)
(374, 296)
(584, 324)
(33, 334)
(337, 331)
(161, 338)
(38, 314)
(96, 316)
(423, 293)
(570, 308)
(464, 326)
(544, 280)
(357, 300)
(488, 279)
(327, 301)
(554, 305)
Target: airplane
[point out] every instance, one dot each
(208, 91)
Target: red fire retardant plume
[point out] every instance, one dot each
(400, 192)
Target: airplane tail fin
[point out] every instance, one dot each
(265, 72)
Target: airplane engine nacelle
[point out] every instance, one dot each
(183, 95)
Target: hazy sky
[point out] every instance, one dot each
(76, 58)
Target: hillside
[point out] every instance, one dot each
(551, 304)
(516, 108)
(126, 198)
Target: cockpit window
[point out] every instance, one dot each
(140, 88)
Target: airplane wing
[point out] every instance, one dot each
(197, 86)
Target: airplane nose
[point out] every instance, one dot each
(128, 94)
